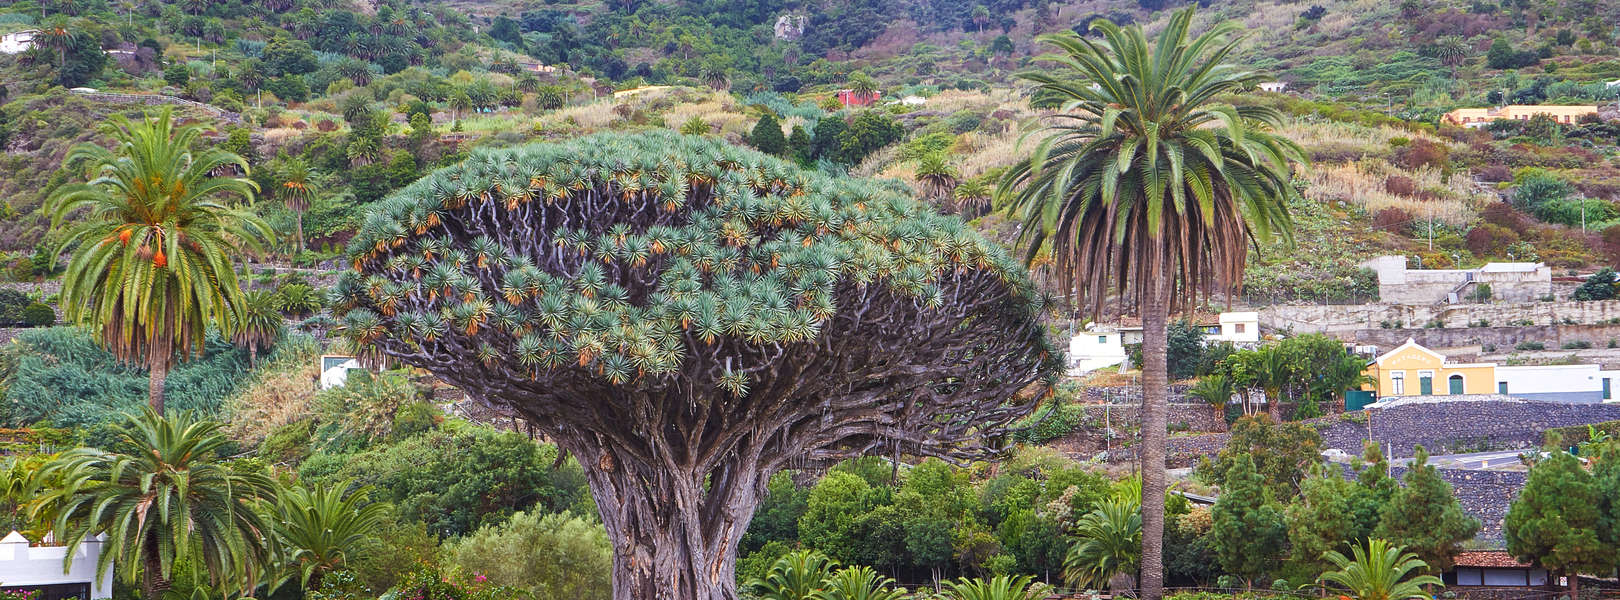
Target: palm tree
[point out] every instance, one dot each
(1148, 189)
(57, 35)
(261, 322)
(972, 197)
(1452, 50)
(795, 576)
(862, 86)
(296, 191)
(168, 498)
(1001, 587)
(154, 242)
(1216, 390)
(1347, 373)
(1379, 572)
(857, 583)
(317, 531)
(715, 77)
(1110, 544)
(937, 177)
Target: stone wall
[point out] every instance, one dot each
(1195, 417)
(1503, 338)
(1320, 318)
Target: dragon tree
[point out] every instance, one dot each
(688, 317)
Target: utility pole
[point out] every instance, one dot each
(1431, 230)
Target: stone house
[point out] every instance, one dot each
(1510, 282)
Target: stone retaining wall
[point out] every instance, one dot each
(1196, 416)
(1503, 338)
(1318, 318)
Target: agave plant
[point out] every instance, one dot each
(1380, 572)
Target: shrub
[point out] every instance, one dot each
(1400, 185)
(1576, 345)
(1391, 219)
(38, 315)
(1495, 174)
(1490, 239)
(1529, 346)
(12, 303)
(1049, 423)
(1422, 153)
(553, 557)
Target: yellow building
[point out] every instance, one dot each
(1412, 370)
(1478, 117)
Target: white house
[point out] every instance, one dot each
(1274, 86)
(335, 370)
(17, 42)
(1558, 383)
(1236, 327)
(27, 567)
(1093, 349)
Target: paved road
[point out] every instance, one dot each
(1476, 461)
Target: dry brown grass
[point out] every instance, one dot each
(282, 393)
(1362, 183)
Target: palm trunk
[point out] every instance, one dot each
(298, 224)
(153, 584)
(154, 384)
(1155, 383)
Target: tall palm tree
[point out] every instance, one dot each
(297, 190)
(57, 35)
(795, 576)
(1379, 572)
(1110, 544)
(1001, 587)
(261, 322)
(862, 86)
(317, 531)
(1147, 188)
(168, 498)
(154, 243)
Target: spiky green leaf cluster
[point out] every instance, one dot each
(619, 253)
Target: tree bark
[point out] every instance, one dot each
(298, 224)
(675, 530)
(153, 584)
(1155, 383)
(154, 384)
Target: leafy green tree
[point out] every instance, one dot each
(1556, 519)
(558, 556)
(1150, 190)
(1248, 534)
(826, 138)
(798, 145)
(536, 329)
(868, 132)
(767, 135)
(203, 508)
(152, 264)
(1109, 543)
(797, 576)
(317, 531)
(1000, 587)
(777, 519)
(1282, 453)
(177, 75)
(287, 56)
(1606, 474)
(1380, 572)
(1425, 517)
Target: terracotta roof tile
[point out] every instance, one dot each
(1487, 558)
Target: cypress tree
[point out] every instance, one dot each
(1425, 517)
(767, 135)
(798, 145)
(1324, 517)
(1248, 533)
(1554, 522)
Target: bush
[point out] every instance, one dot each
(38, 315)
(1495, 174)
(1576, 345)
(1422, 153)
(1529, 346)
(553, 557)
(12, 303)
(1049, 423)
(1600, 286)
(1400, 185)
(1391, 219)
(1490, 239)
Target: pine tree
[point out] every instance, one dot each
(1248, 533)
(798, 145)
(1323, 518)
(1424, 516)
(767, 135)
(1554, 522)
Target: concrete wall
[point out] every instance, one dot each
(22, 565)
(1321, 318)
(1554, 383)
(1503, 338)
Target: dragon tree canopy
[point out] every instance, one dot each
(688, 317)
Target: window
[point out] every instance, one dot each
(1426, 383)
(1238, 328)
(1606, 391)
(1397, 383)
(1501, 387)
(1469, 577)
(1102, 339)
(1212, 329)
